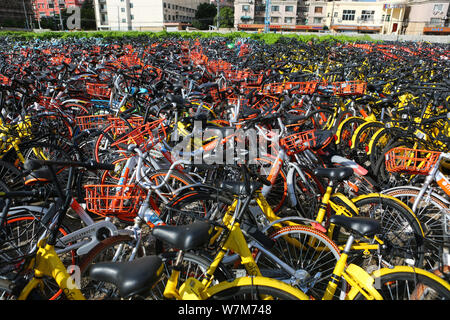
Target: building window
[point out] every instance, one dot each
(132, 17)
(131, 5)
(348, 15)
(388, 17)
(336, 14)
(288, 20)
(274, 19)
(435, 21)
(438, 7)
(289, 8)
(318, 10)
(275, 8)
(246, 8)
(124, 20)
(122, 9)
(367, 15)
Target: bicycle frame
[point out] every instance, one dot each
(47, 263)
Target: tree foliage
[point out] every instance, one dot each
(204, 17)
(226, 18)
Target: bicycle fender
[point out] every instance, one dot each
(433, 194)
(380, 195)
(363, 126)
(253, 281)
(342, 201)
(385, 271)
(338, 132)
(361, 282)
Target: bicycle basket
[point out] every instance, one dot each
(144, 136)
(119, 126)
(349, 88)
(100, 90)
(412, 161)
(113, 200)
(92, 122)
(298, 142)
(5, 80)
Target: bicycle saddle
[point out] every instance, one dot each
(41, 175)
(290, 119)
(361, 225)
(130, 277)
(238, 187)
(184, 237)
(178, 100)
(334, 174)
(247, 112)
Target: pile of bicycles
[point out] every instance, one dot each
(196, 169)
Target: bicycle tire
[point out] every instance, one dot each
(105, 251)
(430, 215)
(50, 290)
(311, 251)
(399, 228)
(346, 132)
(192, 265)
(254, 292)
(410, 285)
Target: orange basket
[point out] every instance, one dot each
(299, 141)
(145, 136)
(92, 122)
(122, 202)
(306, 87)
(100, 90)
(5, 80)
(349, 88)
(119, 126)
(412, 161)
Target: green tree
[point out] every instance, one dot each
(204, 17)
(226, 16)
(88, 16)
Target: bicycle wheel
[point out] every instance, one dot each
(11, 176)
(19, 236)
(192, 266)
(308, 191)
(431, 213)
(116, 248)
(400, 231)
(361, 141)
(277, 195)
(310, 253)
(345, 133)
(412, 284)
(187, 207)
(256, 292)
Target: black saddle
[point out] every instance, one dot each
(176, 99)
(130, 277)
(238, 187)
(185, 237)
(334, 174)
(290, 119)
(248, 112)
(41, 175)
(361, 225)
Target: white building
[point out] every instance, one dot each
(145, 15)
